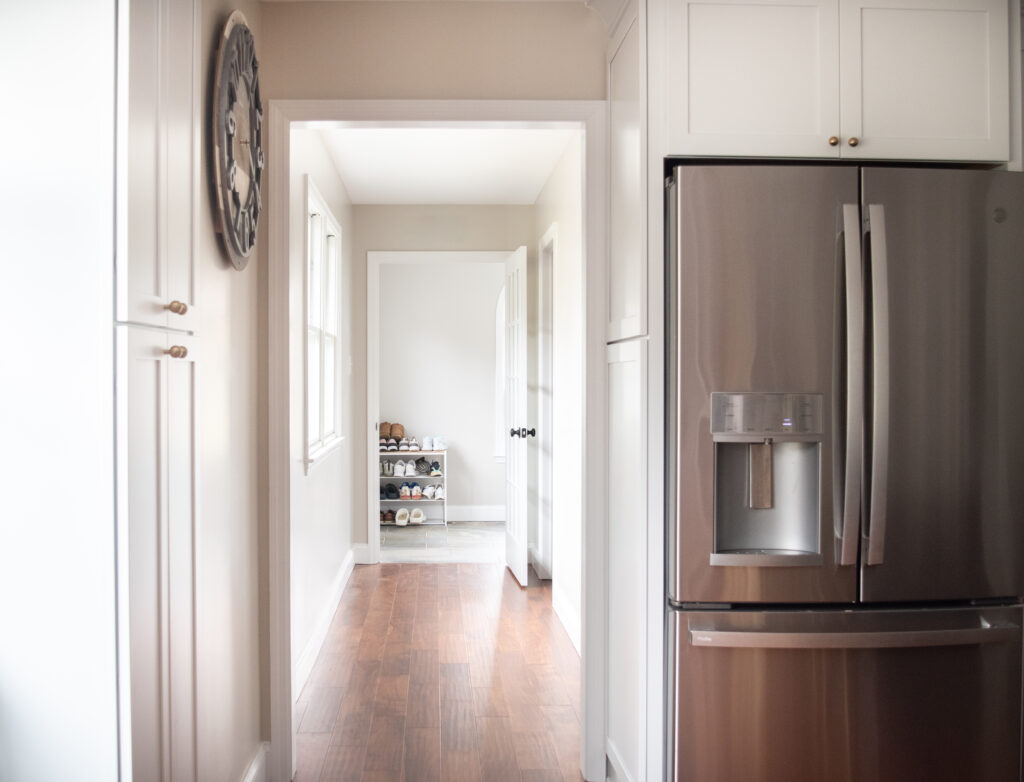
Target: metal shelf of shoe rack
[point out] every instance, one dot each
(435, 480)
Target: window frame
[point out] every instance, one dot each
(323, 234)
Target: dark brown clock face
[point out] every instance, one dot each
(238, 139)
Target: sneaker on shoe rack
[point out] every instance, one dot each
(414, 444)
(422, 466)
(403, 445)
(380, 467)
(389, 469)
(435, 470)
(392, 444)
(439, 443)
(429, 492)
(404, 491)
(400, 468)
(391, 491)
(383, 444)
(428, 443)
(439, 494)
(417, 491)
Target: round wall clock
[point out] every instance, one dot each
(237, 139)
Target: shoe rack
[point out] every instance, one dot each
(429, 506)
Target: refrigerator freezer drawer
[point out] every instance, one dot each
(846, 696)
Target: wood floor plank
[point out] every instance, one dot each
(441, 673)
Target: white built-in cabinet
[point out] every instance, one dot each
(157, 348)
(626, 481)
(886, 79)
(627, 267)
(157, 393)
(159, 126)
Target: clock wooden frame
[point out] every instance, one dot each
(237, 140)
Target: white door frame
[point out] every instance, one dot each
(591, 116)
(375, 260)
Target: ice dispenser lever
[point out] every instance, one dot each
(760, 474)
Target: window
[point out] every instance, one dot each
(323, 329)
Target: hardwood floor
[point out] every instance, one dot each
(441, 672)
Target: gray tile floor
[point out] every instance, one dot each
(461, 541)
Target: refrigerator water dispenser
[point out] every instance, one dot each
(767, 478)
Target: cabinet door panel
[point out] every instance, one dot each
(627, 274)
(626, 480)
(752, 77)
(157, 395)
(159, 126)
(925, 79)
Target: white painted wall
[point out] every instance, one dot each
(561, 203)
(437, 367)
(418, 228)
(322, 501)
(58, 707)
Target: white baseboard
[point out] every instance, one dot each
(619, 772)
(304, 665)
(257, 770)
(476, 513)
(361, 553)
(566, 613)
(538, 567)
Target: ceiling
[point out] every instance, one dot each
(445, 165)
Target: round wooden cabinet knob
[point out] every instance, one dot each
(177, 351)
(833, 141)
(177, 307)
(854, 141)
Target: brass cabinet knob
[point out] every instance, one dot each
(854, 141)
(177, 351)
(177, 307)
(833, 141)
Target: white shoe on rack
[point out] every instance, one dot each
(428, 443)
(439, 494)
(400, 468)
(439, 443)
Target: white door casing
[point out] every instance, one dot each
(516, 533)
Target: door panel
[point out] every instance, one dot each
(948, 374)
(516, 480)
(867, 696)
(755, 305)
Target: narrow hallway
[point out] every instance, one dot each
(441, 672)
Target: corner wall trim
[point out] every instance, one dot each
(361, 552)
(257, 770)
(619, 771)
(476, 513)
(567, 615)
(304, 665)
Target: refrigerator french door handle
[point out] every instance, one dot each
(886, 639)
(854, 384)
(879, 466)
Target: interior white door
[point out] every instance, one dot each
(516, 532)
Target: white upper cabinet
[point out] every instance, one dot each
(158, 159)
(892, 79)
(627, 274)
(752, 77)
(925, 79)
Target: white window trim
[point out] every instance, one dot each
(315, 452)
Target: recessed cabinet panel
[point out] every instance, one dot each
(627, 275)
(159, 126)
(925, 79)
(627, 549)
(752, 78)
(157, 396)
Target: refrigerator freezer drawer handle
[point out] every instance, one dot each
(854, 384)
(879, 458)
(900, 639)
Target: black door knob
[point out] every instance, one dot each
(531, 432)
(513, 433)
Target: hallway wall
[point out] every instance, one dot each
(228, 626)
(410, 49)
(322, 500)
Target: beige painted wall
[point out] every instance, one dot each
(230, 492)
(321, 502)
(494, 50)
(417, 228)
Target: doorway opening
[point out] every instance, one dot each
(289, 578)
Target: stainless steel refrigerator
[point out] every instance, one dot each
(845, 464)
